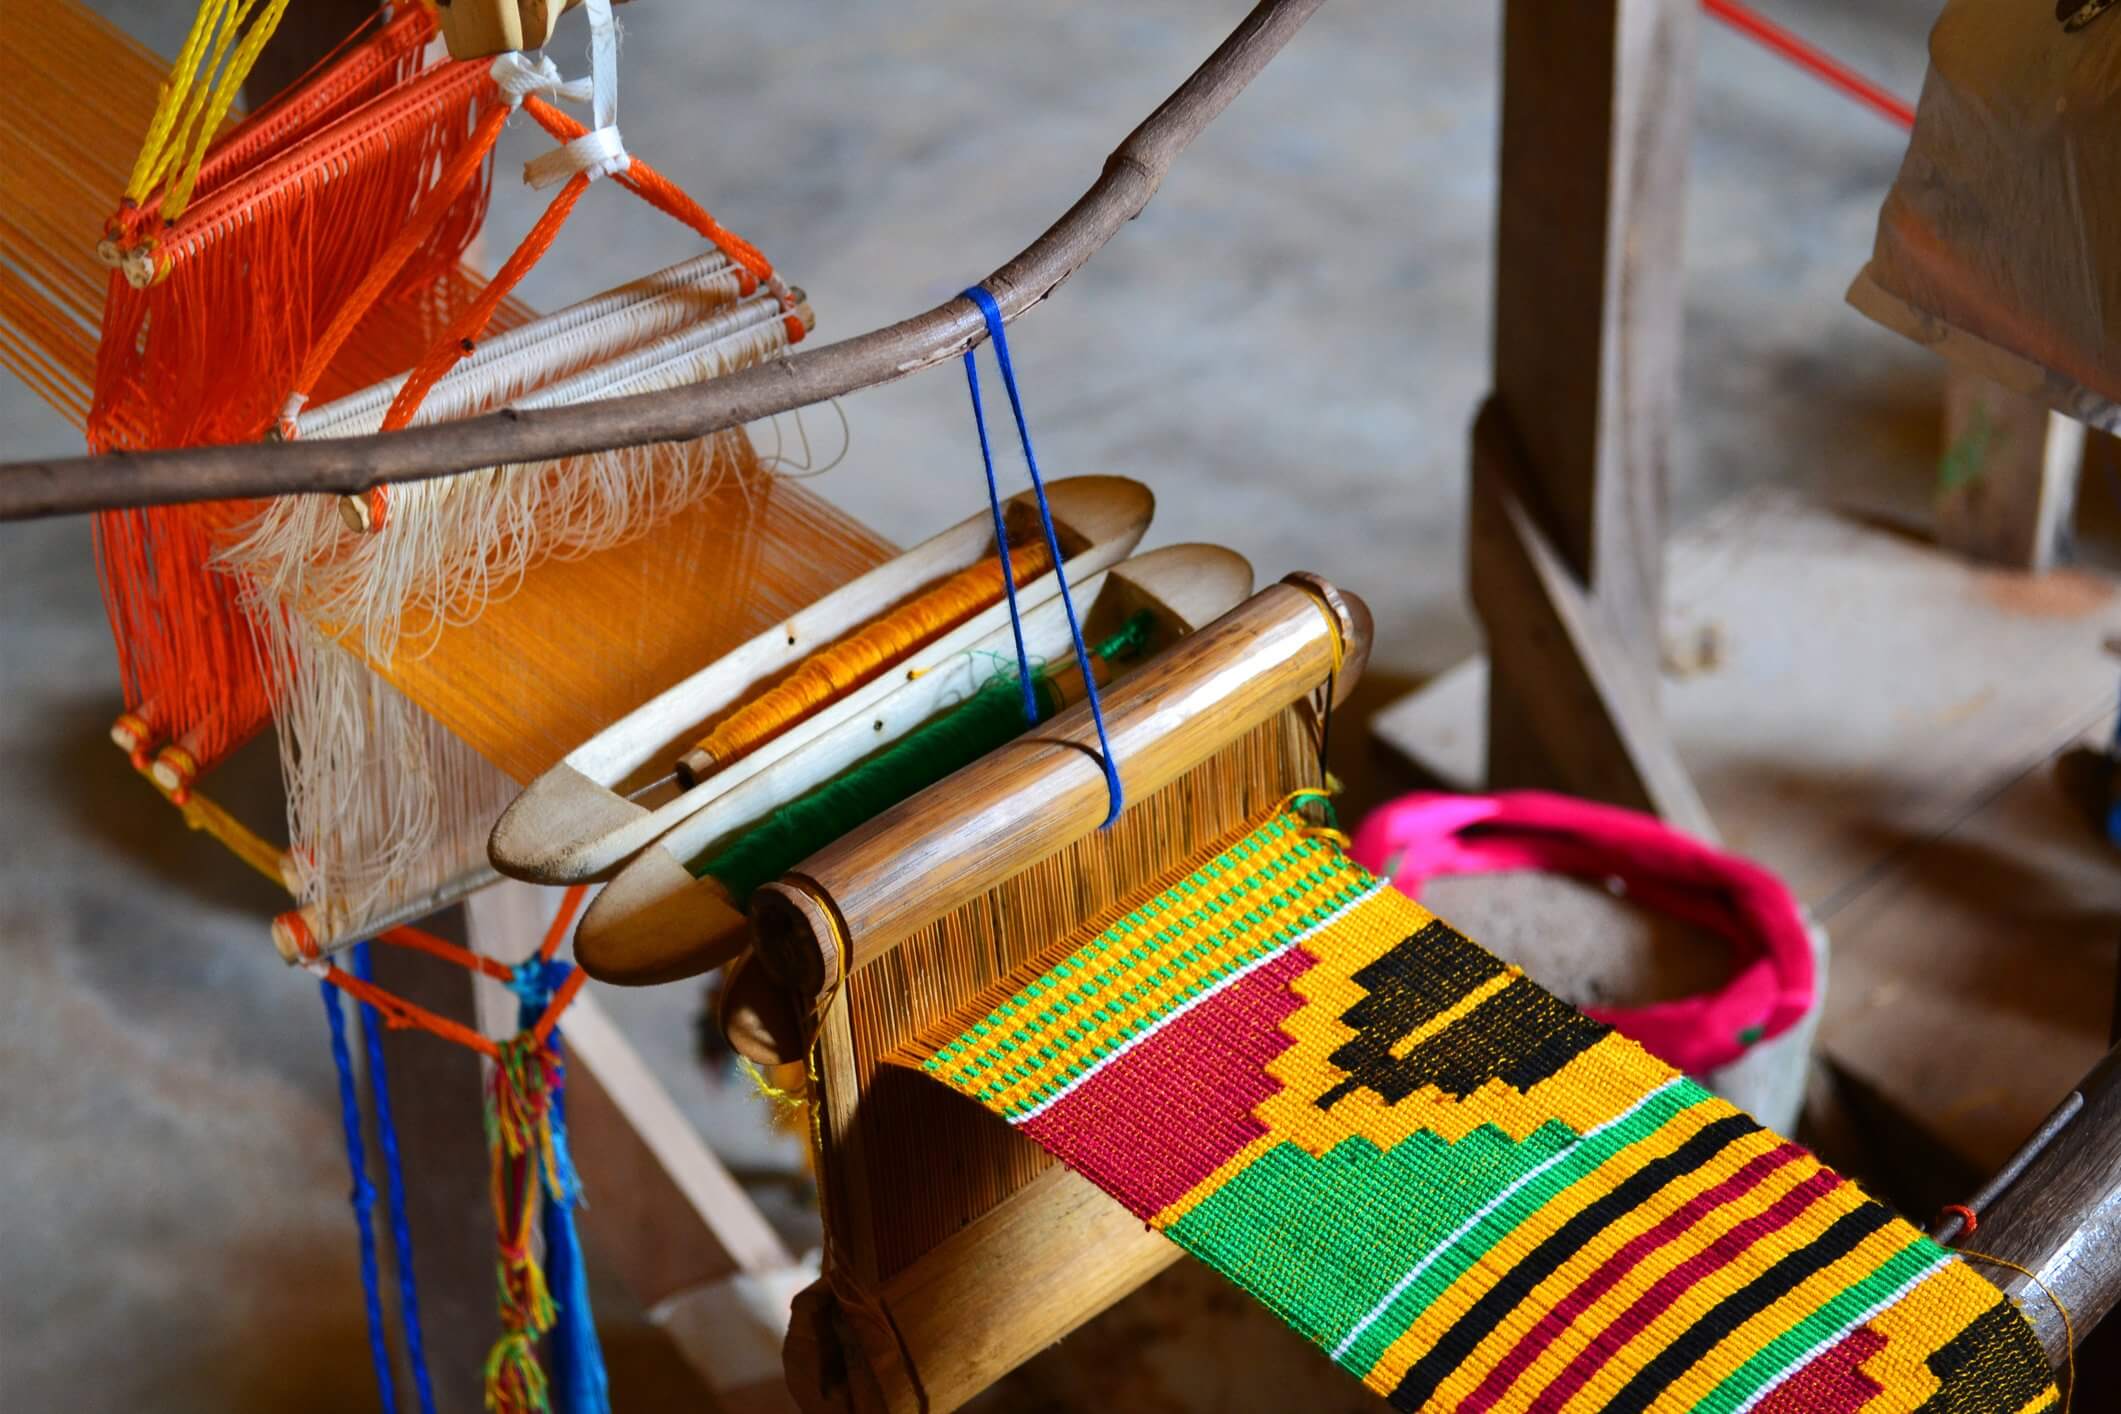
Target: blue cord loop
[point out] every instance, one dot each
(394, 1174)
(998, 336)
(362, 1197)
(580, 1382)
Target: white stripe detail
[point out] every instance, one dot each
(1838, 1336)
(1176, 1012)
(1399, 1288)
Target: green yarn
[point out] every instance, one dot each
(993, 716)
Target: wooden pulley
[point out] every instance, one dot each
(480, 29)
(1999, 244)
(958, 1249)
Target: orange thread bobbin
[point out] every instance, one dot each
(1965, 1215)
(291, 932)
(846, 665)
(133, 736)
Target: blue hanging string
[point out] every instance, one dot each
(363, 1198)
(1001, 541)
(394, 1182)
(580, 1383)
(999, 337)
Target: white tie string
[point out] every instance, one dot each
(519, 76)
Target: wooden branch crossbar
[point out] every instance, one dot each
(346, 466)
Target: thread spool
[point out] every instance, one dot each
(860, 658)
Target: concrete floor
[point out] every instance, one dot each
(1288, 347)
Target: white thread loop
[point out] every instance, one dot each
(290, 412)
(599, 153)
(518, 76)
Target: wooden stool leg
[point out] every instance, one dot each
(2008, 479)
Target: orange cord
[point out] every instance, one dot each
(462, 335)
(433, 207)
(843, 666)
(419, 940)
(660, 192)
(399, 1014)
(570, 905)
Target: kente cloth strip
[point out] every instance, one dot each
(1471, 1195)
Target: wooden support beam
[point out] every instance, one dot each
(1584, 700)
(1595, 110)
(2008, 479)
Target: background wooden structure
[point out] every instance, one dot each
(1570, 460)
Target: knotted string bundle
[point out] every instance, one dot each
(534, 1187)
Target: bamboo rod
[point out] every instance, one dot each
(351, 465)
(1019, 804)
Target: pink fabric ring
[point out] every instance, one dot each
(1771, 987)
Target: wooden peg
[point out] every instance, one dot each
(480, 29)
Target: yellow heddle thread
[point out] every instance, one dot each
(195, 99)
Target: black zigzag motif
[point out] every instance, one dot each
(1995, 1363)
(1521, 1034)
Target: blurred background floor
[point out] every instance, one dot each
(1288, 347)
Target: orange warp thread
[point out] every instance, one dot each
(265, 264)
(847, 664)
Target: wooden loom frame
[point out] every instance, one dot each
(1569, 456)
(1569, 466)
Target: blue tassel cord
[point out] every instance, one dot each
(362, 1197)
